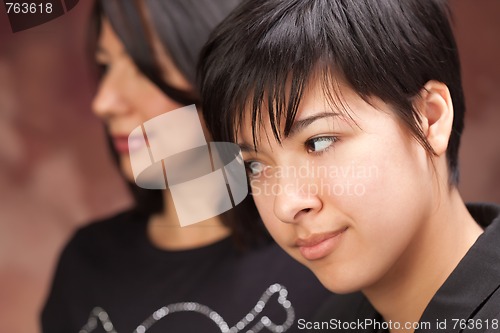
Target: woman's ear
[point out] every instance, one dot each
(436, 112)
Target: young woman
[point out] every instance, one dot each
(349, 115)
(140, 271)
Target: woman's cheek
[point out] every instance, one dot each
(264, 205)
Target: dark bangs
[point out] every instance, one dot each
(264, 55)
(265, 66)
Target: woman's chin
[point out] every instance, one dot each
(126, 169)
(340, 283)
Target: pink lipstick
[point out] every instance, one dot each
(318, 246)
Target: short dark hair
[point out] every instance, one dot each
(266, 52)
(183, 26)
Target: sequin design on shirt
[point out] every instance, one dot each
(99, 316)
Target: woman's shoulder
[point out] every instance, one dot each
(100, 236)
(116, 224)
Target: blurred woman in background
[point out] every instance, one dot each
(140, 270)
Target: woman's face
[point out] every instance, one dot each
(125, 98)
(347, 198)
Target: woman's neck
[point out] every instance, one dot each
(405, 291)
(165, 232)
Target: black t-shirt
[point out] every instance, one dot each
(468, 301)
(110, 278)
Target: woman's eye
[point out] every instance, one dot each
(103, 68)
(254, 168)
(320, 144)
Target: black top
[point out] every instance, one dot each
(468, 301)
(110, 278)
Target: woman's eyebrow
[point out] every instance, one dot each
(299, 125)
(101, 51)
(246, 148)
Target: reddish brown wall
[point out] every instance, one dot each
(478, 34)
(55, 172)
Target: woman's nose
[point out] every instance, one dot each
(296, 198)
(111, 99)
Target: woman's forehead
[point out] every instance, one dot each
(340, 100)
(108, 42)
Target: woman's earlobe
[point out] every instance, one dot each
(436, 113)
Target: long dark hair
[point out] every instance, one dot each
(183, 27)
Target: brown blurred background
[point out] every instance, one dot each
(56, 174)
(55, 171)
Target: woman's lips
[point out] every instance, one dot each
(121, 144)
(125, 144)
(319, 246)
